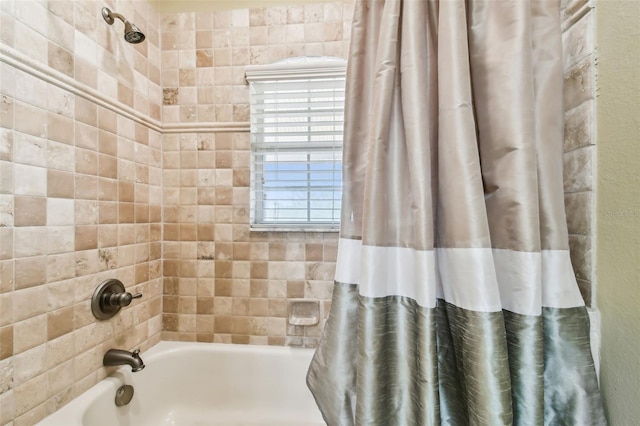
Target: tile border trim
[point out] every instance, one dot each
(43, 72)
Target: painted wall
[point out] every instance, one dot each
(618, 206)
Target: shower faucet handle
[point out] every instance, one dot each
(109, 298)
(122, 299)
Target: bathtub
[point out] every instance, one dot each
(202, 384)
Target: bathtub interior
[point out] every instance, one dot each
(229, 385)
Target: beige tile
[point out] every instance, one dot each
(6, 144)
(60, 129)
(59, 322)
(204, 306)
(60, 293)
(30, 241)
(578, 41)
(108, 190)
(30, 120)
(86, 162)
(6, 177)
(6, 276)
(569, 8)
(7, 211)
(86, 362)
(60, 59)
(7, 112)
(30, 394)
(86, 135)
(277, 251)
(187, 77)
(579, 210)
(30, 211)
(61, 156)
(86, 238)
(295, 289)
(6, 342)
(30, 272)
(204, 39)
(277, 327)
(578, 126)
(60, 184)
(28, 303)
(126, 213)
(578, 170)
(257, 17)
(60, 239)
(30, 180)
(107, 121)
(318, 289)
(108, 147)
(204, 58)
(60, 378)
(277, 288)
(30, 333)
(579, 83)
(580, 250)
(58, 100)
(108, 166)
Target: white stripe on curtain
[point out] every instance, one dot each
(478, 279)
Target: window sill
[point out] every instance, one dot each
(284, 228)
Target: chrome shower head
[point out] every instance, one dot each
(132, 33)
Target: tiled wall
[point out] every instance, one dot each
(80, 195)
(579, 144)
(204, 54)
(223, 282)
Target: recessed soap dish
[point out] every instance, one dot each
(304, 312)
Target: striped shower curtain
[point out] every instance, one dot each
(455, 301)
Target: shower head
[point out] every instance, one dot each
(132, 33)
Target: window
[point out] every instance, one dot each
(297, 114)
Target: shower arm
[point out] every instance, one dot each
(108, 16)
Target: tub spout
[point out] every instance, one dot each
(115, 357)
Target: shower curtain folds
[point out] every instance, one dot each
(455, 301)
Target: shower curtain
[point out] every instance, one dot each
(455, 301)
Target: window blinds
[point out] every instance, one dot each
(296, 140)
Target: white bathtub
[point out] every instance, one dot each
(202, 384)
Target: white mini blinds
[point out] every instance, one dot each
(297, 115)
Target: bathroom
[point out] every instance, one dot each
(132, 161)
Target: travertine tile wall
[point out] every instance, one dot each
(204, 54)
(80, 195)
(223, 282)
(579, 144)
